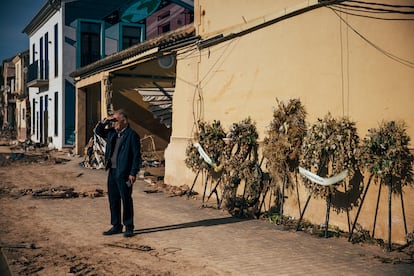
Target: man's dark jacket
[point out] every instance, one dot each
(129, 153)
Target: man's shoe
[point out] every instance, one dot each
(114, 230)
(129, 233)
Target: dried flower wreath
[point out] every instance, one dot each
(240, 160)
(282, 145)
(385, 154)
(330, 147)
(210, 137)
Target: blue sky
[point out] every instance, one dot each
(14, 17)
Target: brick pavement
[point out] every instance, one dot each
(234, 246)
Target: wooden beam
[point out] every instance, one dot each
(124, 75)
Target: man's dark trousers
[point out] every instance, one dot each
(117, 190)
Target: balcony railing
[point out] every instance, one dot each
(38, 74)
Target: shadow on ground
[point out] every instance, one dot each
(200, 223)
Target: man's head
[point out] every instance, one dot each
(121, 120)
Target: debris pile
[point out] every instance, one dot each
(55, 193)
(26, 152)
(42, 156)
(49, 193)
(95, 153)
(168, 189)
(7, 134)
(65, 192)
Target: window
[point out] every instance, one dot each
(69, 97)
(41, 69)
(40, 130)
(56, 113)
(33, 55)
(163, 15)
(46, 56)
(41, 57)
(33, 115)
(164, 28)
(90, 42)
(56, 52)
(37, 125)
(131, 35)
(18, 72)
(12, 85)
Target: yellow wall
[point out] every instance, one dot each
(212, 17)
(313, 56)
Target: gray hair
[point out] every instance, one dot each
(122, 113)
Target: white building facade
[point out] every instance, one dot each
(65, 35)
(51, 91)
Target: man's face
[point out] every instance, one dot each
(120, 122)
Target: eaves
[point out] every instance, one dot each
(47, 11)
(177, 38)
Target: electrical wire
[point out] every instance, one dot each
(187, 53)
(355, 8)
(198, 98)
(199, 54)
(347, 71)
(386, 53)
(207, 53)
(193, 52)
(369, 16)
(342, 70)
(375, 9)
(366, 9)
(233, 41)
(198, 104)
(382, 4)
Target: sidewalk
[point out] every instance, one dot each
(249, 247)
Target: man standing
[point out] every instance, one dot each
(123, 160)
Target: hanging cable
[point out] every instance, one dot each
(382, 4)
(342, 69)
(346, 11)
(386, 53)
(375, 9)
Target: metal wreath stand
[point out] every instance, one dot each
(324, 182)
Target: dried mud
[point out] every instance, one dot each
(61, 235)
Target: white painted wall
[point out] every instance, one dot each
(56, 84)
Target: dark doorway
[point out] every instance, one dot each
(93, 109)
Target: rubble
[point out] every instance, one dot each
(94, 153)
(56, 193)
(64, 192)
(12, 150)
(161, 187)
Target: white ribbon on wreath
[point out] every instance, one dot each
(321, 180)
